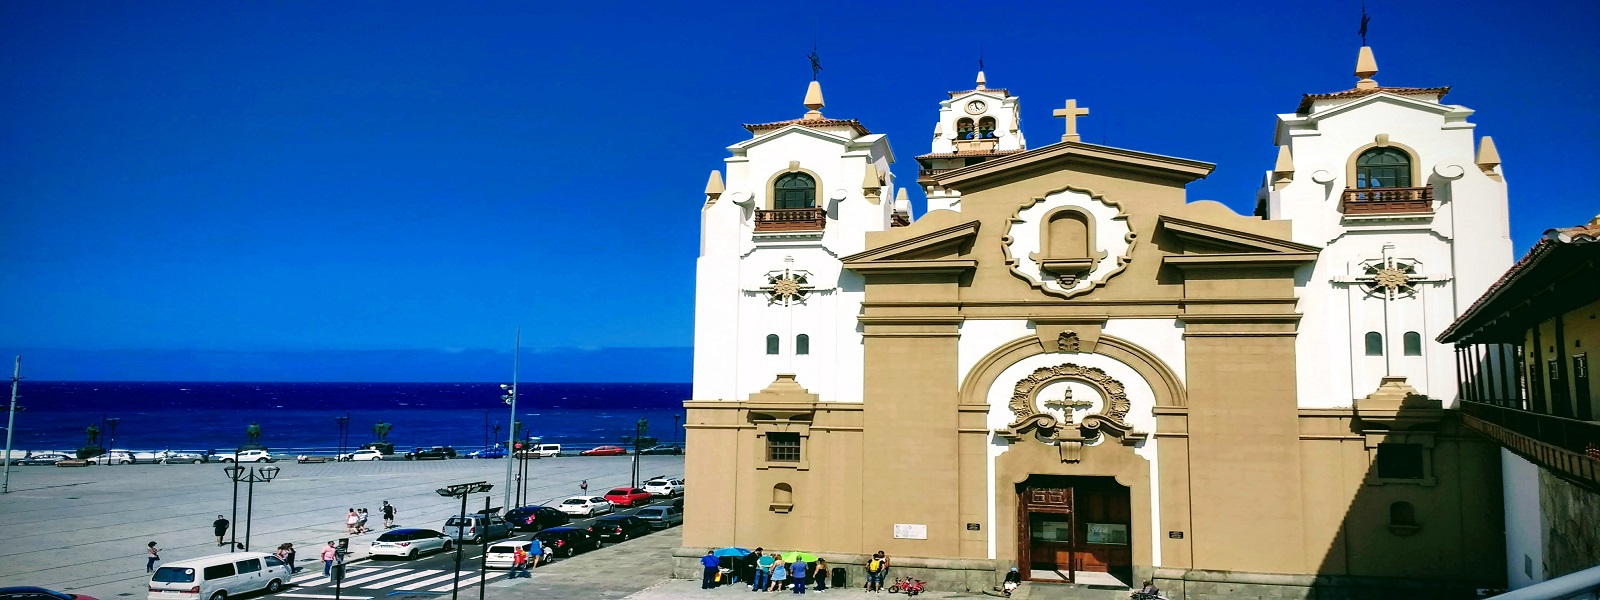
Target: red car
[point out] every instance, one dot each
(604, 451)
(627, 496)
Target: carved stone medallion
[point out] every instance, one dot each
(1049, 428)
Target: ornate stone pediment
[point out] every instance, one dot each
(1068, 242)
(1031, 416)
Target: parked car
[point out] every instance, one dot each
(361, 455)
(604, 451)
(585, 506)
(661, 517)
(168, 458)
(434, 453)
(114, 457)
(500, 555)
(495, 452)
(477, 527)
(535, 518)
(15, 457)
(665, 486)
(547, 450)
(45, 458)
(619, 528)
(568, 541)
(38, 593)
(662, 450)
(245, 456)
(408, 543)
(219, 577)
(627, 497)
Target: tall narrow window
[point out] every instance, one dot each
(794, 190)
(1383, 168)
(1580, 385)
(1413, 343)
(772, 344)
(1560, 401)
(1374, 343)
(986, 127)
(802, 344)
(783, 447)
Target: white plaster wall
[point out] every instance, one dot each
(733, 318)
(1524, 531)
(1466, 244)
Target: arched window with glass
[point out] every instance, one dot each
(1374, 343)
(986, 128)
(802, 344)
(772, 343)
(964, 129)
(794, 190)
(1413, 343)
(1383, 168)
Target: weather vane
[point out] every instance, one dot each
(816, 63)
(1364, 20)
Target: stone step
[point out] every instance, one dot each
(1033, 590)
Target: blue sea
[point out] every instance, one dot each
(302, 417)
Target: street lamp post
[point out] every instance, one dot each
(249, 475)
(461, 490)
(510, 399)
(11, 423)
(344, 428)
(111, 440)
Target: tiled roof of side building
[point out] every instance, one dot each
(1553, 238)
(1308, 99)
(851, 123)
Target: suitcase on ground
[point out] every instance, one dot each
(838, 578)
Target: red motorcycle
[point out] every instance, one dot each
(908, 585)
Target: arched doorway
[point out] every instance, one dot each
(1075, 529)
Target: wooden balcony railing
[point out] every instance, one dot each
(1387, 201)
(791, 219)
(1567, 446)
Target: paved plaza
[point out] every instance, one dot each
(84, 530)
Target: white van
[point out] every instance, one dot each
(548, 450)
(219, 576)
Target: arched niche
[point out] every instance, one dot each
(1067, 243)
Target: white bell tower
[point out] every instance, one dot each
(1414, 227)
(974, 125)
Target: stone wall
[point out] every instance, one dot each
(1571, 538)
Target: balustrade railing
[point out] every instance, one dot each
(1384, 201)
(791, 219)
(1572, 435)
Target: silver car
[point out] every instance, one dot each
(661, 517)
(408, 543)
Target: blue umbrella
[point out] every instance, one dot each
(739, 552)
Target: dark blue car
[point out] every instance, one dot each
(495, 452)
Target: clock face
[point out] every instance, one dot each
(975, 107)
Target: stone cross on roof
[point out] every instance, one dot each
(1071, 113)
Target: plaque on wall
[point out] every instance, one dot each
(1107, 533)
(907, 531)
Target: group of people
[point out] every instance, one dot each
(766, 572)
(355, 522)
(529, 556)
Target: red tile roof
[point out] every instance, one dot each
(1308, 99)
(966, 154)
(851, 123)
(1004, 93)
(1553, 238)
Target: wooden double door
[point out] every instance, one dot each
(1072, 524)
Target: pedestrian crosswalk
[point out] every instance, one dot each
(361, 581)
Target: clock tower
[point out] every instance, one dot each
(974, 126)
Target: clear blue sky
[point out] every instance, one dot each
(384, 190)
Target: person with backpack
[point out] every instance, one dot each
(388, 514)
(877, 569)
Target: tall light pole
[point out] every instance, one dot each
(510, 398)
(344, 428)
(250, 476)
(111, 440)
(462, 490)
(11, 423)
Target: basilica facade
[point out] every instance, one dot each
(1068, 367)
